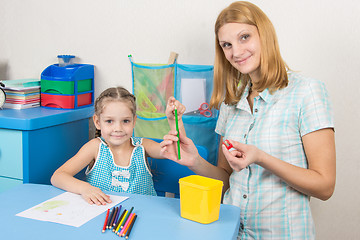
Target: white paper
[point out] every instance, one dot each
(193, 93)
(69, 209)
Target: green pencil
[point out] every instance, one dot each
(178, 134)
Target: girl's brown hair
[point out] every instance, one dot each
(114, 94)
(273, 69)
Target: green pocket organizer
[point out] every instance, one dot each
(153, 85)
(151, 125)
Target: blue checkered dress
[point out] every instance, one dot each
(136, 178)
(270, 209)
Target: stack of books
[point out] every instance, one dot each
(22, 93)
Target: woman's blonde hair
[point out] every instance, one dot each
(114, 94)
(272, 66)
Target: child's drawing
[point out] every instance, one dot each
(69, 209)
(51, 205)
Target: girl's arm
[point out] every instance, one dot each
(64, 178)
(317, 181)
(152, 148)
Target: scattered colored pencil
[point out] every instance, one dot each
(122, 220)
(117, 216)
(126, 227)
(121, 224)
(106, 219)
(131, 226)
(126, 217)
(113, 217)
(110, 217)
(118, 221)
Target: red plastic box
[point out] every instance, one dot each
(65, 101)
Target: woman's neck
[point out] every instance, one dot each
(255, 79)
(252, 94)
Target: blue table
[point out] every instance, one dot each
(158, 218)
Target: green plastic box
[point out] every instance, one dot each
(65, 87)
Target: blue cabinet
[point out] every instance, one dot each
(35, 142)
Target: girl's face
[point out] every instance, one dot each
(241, 45)
(116, 122)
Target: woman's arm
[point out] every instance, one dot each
(191, 158)
(64, 178)
(317, 181)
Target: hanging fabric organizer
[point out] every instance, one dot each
(153, 84)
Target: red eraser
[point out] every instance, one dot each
(227, 144)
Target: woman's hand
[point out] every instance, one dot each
(94, 195)
(242, 155)
(188, 151)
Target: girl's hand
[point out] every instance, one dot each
(188, 151)
(94, 195)
(242, 156)
(170, 108)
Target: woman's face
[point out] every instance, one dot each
(241, 45)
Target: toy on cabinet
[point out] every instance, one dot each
(67, 85)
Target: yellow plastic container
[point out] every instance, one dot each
(200, 198)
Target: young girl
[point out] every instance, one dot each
(115, 161)
(279, 123)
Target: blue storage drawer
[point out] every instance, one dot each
(11, 153)
(34, 142)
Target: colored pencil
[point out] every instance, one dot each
(127, 216)
(113, 217)
(109, 219)
(106, 219)
(131, 226)
(119, 220)
(122, 220)
(128, 224)
(117, 216)
(178, 134)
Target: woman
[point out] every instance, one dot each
(279, 123)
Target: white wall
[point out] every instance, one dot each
(319, 38)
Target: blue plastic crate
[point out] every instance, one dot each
(74, 73)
